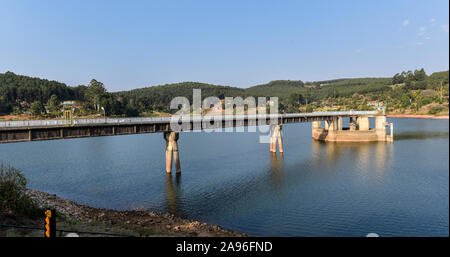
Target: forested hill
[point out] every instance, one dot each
(17, 88)
(280, 88)
(22, 94)
(317, 90)
(159, 97)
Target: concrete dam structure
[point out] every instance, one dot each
(358, 131)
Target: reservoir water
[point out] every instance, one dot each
(230, 179)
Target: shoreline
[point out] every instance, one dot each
(419, 116)
(129, 222)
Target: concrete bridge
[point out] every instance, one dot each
(359, 129)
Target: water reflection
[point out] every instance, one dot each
(316, 149)
(381, 156)
(276, 167)
(420, 135)
(333, 152)
(364, 156)
(314, 189)
(172, 193)
(276, 162)
(360, 155)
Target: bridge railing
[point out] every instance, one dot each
(33, 123)
(78, 122)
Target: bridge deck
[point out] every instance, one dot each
(31, 130)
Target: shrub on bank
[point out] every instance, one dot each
(436, 109)
(13, 198)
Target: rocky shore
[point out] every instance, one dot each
(135, 222)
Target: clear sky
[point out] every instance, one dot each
(130, 44)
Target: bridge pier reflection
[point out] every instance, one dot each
(172, 193)
(276, 162)
(276, 167)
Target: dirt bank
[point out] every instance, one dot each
(418, 116)
(74, 216)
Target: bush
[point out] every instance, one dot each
(37, 108)
(419, 85)
(427, 100)
(12, 193)
(436, 109)
(131, 112)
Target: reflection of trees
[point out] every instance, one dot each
(420, 135)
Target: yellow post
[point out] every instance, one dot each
(68, 116)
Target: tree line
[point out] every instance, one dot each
(23, 94)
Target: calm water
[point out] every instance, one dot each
(230, 179)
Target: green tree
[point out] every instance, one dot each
(37, 108)
(419, 85)
(417, 97)
(397, 79)
(308, 96)
(420, 75)
(410, 76)
(5, 108)
(95, 91)
(54, 104)
(296, 99)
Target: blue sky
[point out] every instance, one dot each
(130, 44)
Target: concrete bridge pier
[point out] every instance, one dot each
(339, 123)
(390, 138)
(316, 124)
(172, 148)
(331, 125)
(358, 131)
(353, 124)
(275, 133)
(363, 123)
(380, 123)
(380, 126)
